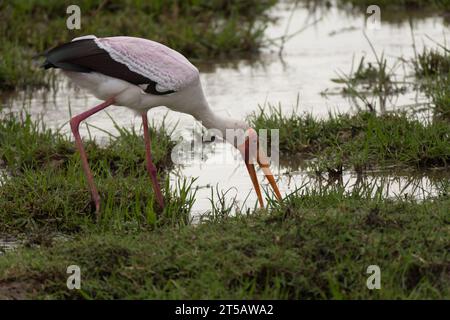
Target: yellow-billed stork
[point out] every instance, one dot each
(141, 74)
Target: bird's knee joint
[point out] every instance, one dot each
(74, 123)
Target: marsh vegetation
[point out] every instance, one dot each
(315, 244)
(198, 29)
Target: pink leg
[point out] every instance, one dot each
(74, 125)
(150, 166)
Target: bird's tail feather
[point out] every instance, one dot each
(63, 56)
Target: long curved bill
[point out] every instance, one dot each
(248, 149)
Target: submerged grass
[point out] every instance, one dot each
(199, 29)
(443, 5)
(315, 245)
(374, 78)
(439, 93)
(45, 191)
(432, 69)
(392, 11)
(432, 63)
(371, 83)
(400, 10)
(360, 141)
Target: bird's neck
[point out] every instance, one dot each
(210, 119)
(219, 124)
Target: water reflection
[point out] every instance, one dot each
(406, 185)
(308, 62)
(233, 178)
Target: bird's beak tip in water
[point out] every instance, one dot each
(251, 152)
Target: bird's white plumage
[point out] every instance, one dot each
(90, 36)
(167, 67)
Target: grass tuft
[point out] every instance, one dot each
(198, 29)
(45, 190)
(361, 141)
(431, 63)
(432, 69)
(314, 246)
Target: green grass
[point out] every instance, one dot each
(392, 11)
(432, 63)
(360, 141)
(443, 5)
(17, 69)
(370, 84)
(370, 79)
(199, 29)
(28, 144)
(439, 92)
(45, 192)
(432, 70)
(316, 245)
(400, 10)
(367, 140)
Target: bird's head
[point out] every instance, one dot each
(252, 152)
(246, 140)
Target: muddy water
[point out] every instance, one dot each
(308, 62)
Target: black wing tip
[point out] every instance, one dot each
(47, 65)
(151, 88)
(61, 56)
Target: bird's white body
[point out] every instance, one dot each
(168, 68)
(133, 96)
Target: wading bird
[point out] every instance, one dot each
(141, 74)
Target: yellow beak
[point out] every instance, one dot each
(249, 156)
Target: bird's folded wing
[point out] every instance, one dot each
(138, 61)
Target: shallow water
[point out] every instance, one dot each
(8, 244)
(309, 61)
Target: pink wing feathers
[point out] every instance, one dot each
(167, 67)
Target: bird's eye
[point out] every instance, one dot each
(207, 139)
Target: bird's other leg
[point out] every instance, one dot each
(75, 125)
(252, 172)
(263, 162)
(150, 166)
(249, 159)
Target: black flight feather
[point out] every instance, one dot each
(85, 56)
